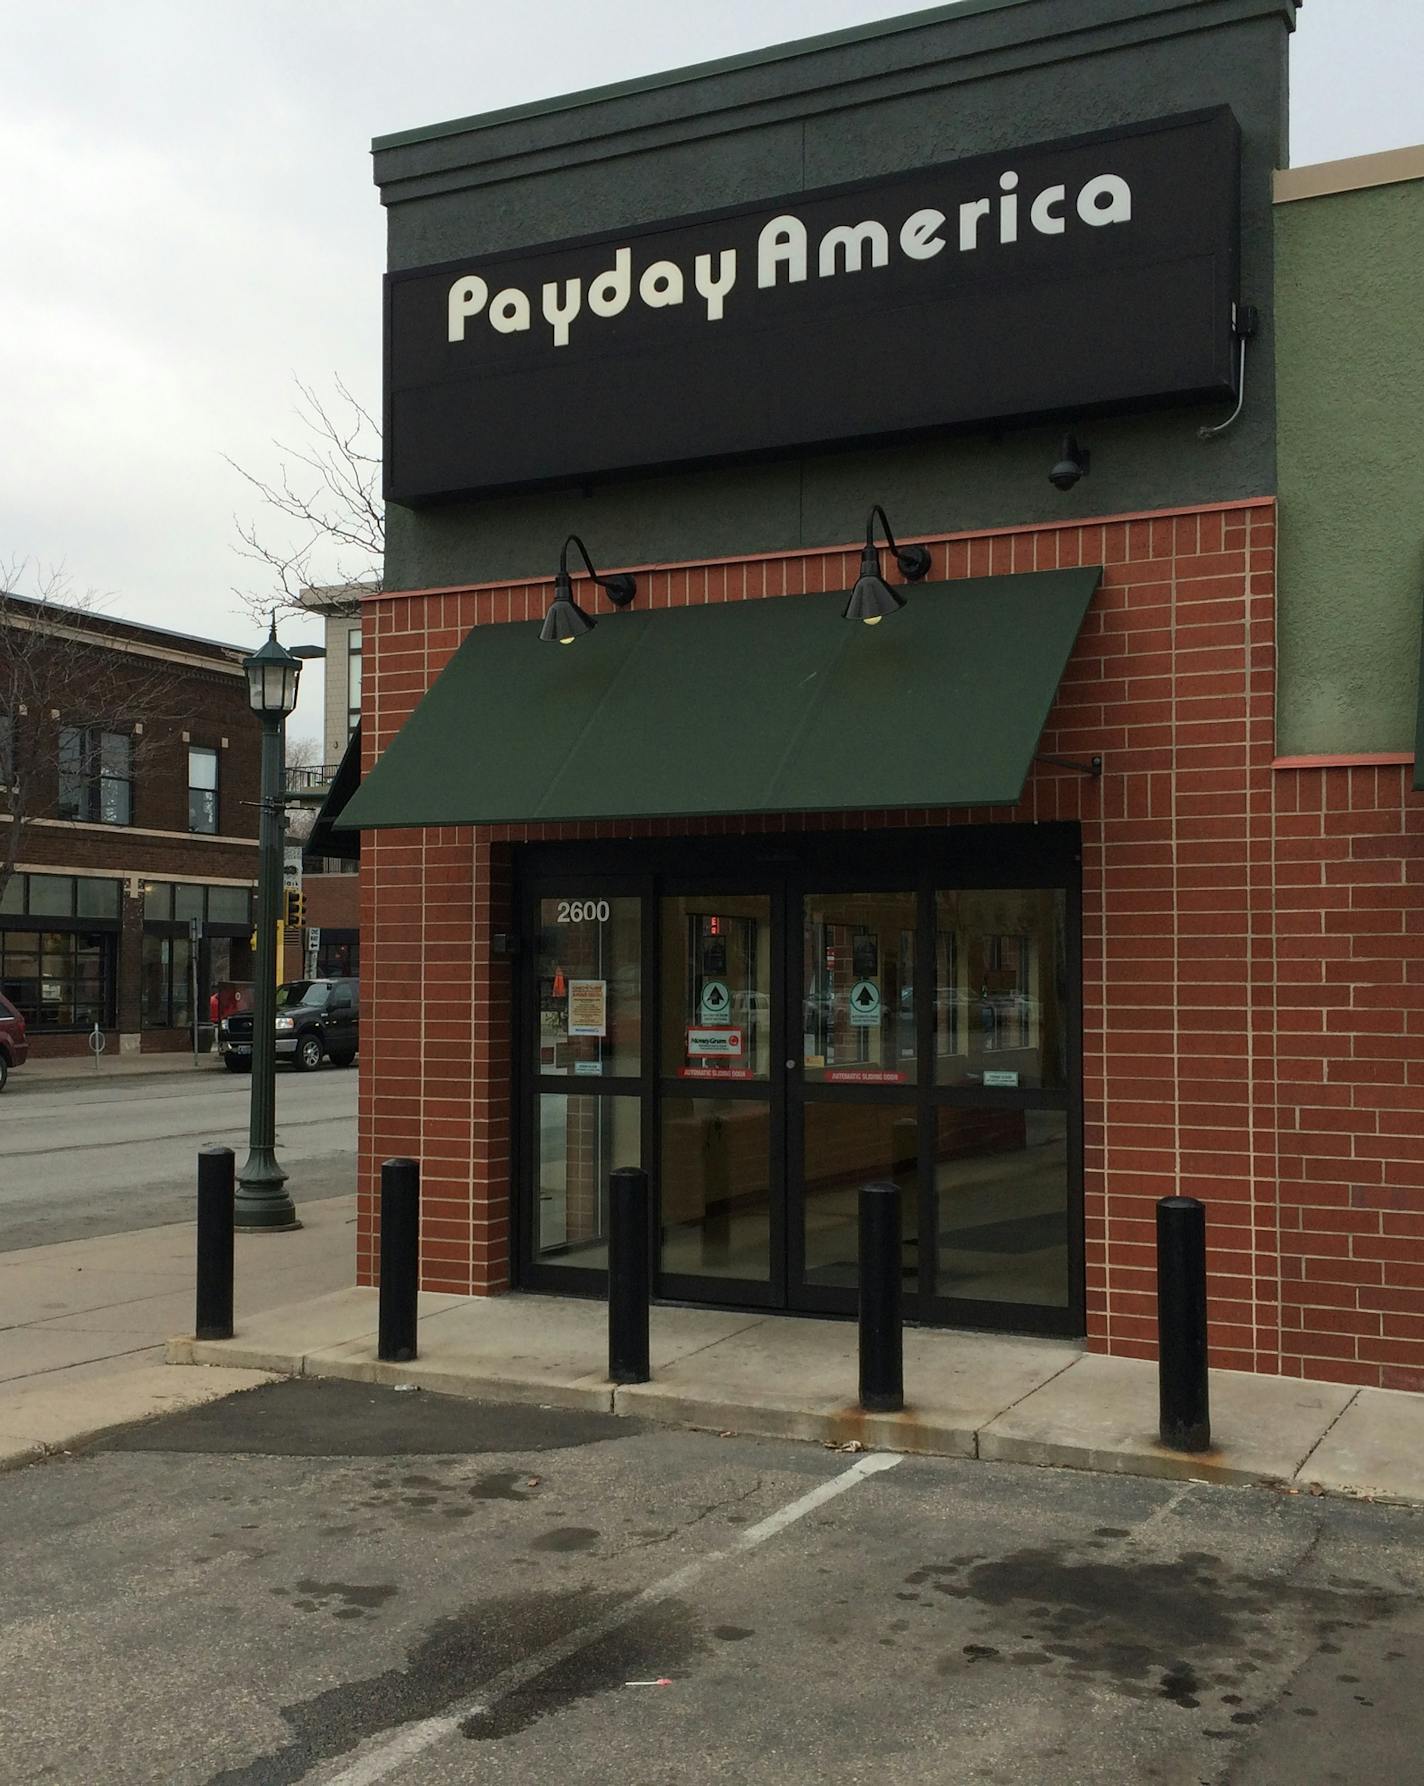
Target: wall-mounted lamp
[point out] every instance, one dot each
(873, 598)
(1073, 463)
(566, 620)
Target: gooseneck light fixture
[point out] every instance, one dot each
(873, 598)
(566, 620)
(1073, 463)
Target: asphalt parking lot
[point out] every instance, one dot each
(340, 1583)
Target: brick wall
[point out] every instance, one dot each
(1253, 986)
(156, 702)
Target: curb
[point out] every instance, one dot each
(63, 1445)
(843, 1427)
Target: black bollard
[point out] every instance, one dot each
(882, 1338)
(215, 1191)
(400, 1260)
(629, 1275)
(1181, 1324)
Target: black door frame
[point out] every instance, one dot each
(787, 867)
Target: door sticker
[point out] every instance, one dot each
(715, 1002)
(865, 1004)
(704, 1039)
(588, 1007)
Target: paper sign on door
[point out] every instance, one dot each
(588, 1007)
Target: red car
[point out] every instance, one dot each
(13, 1046)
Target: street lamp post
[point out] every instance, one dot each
(262, 1201)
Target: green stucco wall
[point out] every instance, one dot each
(1350, 394)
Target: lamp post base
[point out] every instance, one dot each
(261, 1203)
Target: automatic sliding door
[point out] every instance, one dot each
(720, 1178)
(855, 1118)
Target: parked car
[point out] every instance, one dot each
(316, 1019)
(14, 1047)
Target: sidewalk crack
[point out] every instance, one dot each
(720, 1340)
(1324, 1436)
(1018, 1403)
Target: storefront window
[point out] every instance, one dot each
(858, 1016)
(58, 980)
(188, 903)
(716, 1188)
(97, 899)
(581, 1141)
(1002, 1181)
(589, 978)
(51, 896)
(847, 1146)
(717, 986)
(339, 954)
(167, 985)
(229, 905)
(1000, 975)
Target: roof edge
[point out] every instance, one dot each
(1354, 174)
(952, 12)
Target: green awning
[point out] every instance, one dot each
(325, 840)
(760, 706)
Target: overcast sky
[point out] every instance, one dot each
(187, 219)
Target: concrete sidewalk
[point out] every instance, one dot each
(969, 1395)
(80, 1069)
(83, 1322)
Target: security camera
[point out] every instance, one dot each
(1072, 464)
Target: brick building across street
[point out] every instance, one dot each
(130, 761)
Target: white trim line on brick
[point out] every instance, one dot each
(89, 829)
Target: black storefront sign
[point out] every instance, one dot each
(1058, 280)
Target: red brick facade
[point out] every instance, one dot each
(1253, 970)
(165, 692)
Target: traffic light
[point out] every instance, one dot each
(294, 908)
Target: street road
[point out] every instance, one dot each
(334, 1583)
(78, 1160)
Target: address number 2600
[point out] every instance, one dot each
(582, 911)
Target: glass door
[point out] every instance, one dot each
(937, 1054)
(721, 1168)
(584, 1053)
(854, 1104)
(767, 1041)
(1004, 1150)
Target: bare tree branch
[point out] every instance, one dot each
(325, 526)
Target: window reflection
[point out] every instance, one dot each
(1001, 1177)
(581, 1141)
(858, 1010)
(717, 986)
(589, 986)
(716, 1187)
(846, 1146)
(1000, 988)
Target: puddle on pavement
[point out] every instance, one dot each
(447, 1667)
(1192, 1631)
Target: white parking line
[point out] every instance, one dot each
(380, 1761)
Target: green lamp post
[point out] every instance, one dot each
(261, 1201)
